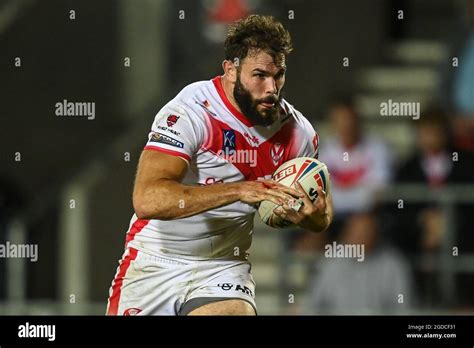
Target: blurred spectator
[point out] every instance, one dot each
(204, 44)
(359, 165)
(457, 89)
(381, 283)
(434, 164)
(419, 228)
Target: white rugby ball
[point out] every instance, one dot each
(309, 172)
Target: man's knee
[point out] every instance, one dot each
(225, 307)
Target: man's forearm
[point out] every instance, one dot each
(168, 199)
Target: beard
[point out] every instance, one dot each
(248, 105)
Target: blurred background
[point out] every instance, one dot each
(402, 187)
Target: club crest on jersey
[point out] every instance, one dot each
(171, 120)
(229, 140)
(276, 152)
(252, 139)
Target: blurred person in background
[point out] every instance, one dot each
(359, 164)
(457, 89)
(380, 282)
(435, 164)
(419, 228)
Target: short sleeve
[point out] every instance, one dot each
(175, 132)
(309, 141)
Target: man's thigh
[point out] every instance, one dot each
(221, 288)
(225, 307)
(148, 285)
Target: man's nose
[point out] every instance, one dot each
(271, 87)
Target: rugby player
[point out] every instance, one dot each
(205, 168)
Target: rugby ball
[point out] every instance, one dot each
(309, 172)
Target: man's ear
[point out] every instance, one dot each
(230, 70)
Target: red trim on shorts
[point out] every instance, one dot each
(220, 90)
(114, 299)
(137, 226)
(169, 152)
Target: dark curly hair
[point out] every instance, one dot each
(257, 33)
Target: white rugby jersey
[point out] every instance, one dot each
(201, 126)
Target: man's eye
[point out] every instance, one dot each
(260, 75)
(280, 76)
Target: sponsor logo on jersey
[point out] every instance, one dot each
(171, 120)
(158, 137)
(276, 152)
(169, 130)
(131, 311)
(229, 140)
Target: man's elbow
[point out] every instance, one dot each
(141, 211)
(144, 211)
(143, 214)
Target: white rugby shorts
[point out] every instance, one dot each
(148, 284)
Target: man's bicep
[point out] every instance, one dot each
(155, 165)
(155, 168)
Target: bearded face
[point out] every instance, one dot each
(262, 111)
